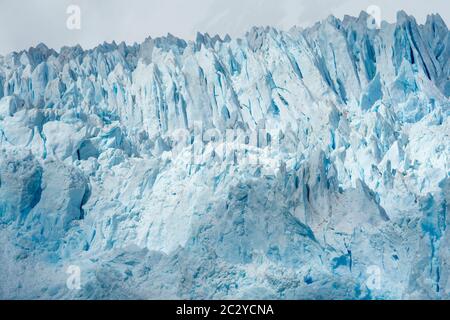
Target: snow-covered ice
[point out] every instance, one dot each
(292, 164)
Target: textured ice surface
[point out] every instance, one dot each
(352, 203)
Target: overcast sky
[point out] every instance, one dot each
(25, 23)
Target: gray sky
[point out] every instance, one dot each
(25, 23)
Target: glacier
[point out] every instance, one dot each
(311, 163)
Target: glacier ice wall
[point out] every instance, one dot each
(110, 161)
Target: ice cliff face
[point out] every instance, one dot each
(312, 163)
